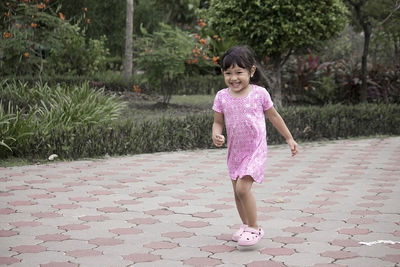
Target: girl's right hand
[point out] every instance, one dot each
(218, 140)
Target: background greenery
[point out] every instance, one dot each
(62, 85)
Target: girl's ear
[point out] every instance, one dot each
(252, 70)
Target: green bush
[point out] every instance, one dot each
(37, 41)
(29, 115)
(200, 85)
(338, 121)
(193, 132)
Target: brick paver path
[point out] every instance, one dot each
(177, 209)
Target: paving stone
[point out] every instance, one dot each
(365, 262)
(314, 208)
(181, 253)
(301, 259)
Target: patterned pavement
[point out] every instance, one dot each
(177, 209)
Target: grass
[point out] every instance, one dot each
(143, 107)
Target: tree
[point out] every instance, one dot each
(128, 41)
(37, 39)
(367, 15)
(162, 56)
(277, 29)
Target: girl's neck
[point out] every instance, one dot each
(241, 93)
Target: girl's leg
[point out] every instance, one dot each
(239, 204)
(247, 208)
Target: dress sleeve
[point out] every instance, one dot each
(218, 103)
(266, 100)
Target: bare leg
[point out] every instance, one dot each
(243, 196)
(239, 205)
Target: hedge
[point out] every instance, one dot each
(194, 131)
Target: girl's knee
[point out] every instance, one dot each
(243, 187)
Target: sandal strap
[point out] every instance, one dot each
(252, 230)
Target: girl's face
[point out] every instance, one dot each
(238, 79)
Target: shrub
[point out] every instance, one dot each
(37, 40)
(200, 85)
(192, 132)
(34, 113)
(16, 127)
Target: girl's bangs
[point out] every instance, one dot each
(230, 60)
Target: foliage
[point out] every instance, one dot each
(44, 108)
(73, 57)
(314, 82)
(28, 33)
(16, 127)
(37, 40)
(199, 85)
(161, 56)
(179, 11)
(191, 132)
(106, 18)
(275, 27)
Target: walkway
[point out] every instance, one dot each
(177, 209)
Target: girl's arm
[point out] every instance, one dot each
(217, 128)
(277, 121)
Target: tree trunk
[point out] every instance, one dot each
(364, 62)
(367, 29)
(274, 79)
(396, 42)
(128, 41)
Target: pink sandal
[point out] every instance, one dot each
(250, 236)
(236, 236)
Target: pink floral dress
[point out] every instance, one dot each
(247, 135)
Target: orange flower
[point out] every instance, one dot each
(215, 60)
(194, 61)
(26, 55)
(201, 23)
(41, 6)
(33, 25)
(6, 35)
(137, 89)
(205, 57)
(88, 21)
(61, 15)
(47, 1)
(85, 9)
(203, 41)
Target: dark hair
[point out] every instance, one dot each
(243, 57)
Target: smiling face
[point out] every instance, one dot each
(238, 79)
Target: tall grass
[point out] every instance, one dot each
(25, 110)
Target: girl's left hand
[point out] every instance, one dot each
(293, 146)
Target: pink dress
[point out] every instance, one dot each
(247, 135)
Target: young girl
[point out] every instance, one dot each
(241, 107)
